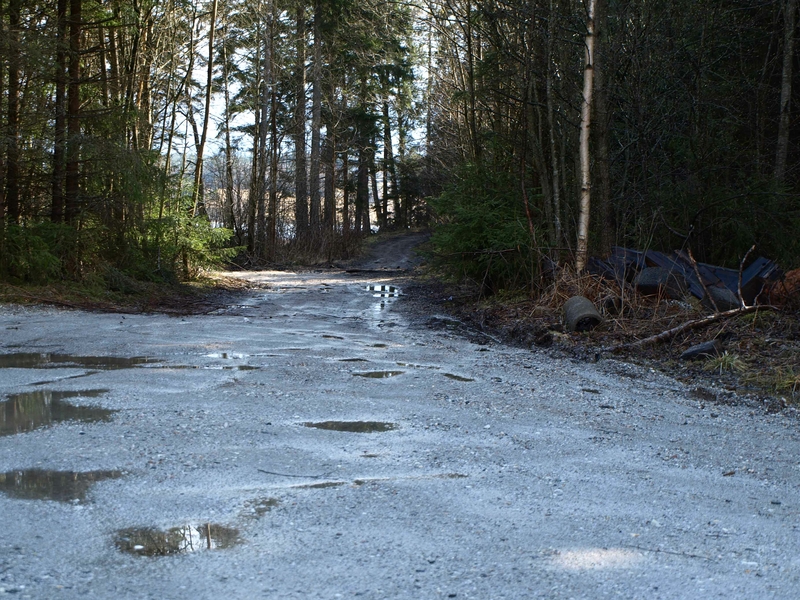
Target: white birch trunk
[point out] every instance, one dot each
(585, 163)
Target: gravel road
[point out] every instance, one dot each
(322, 440)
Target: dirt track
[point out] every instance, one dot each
(326, 443)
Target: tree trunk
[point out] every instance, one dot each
(227, 204)
(605, 214)
(263, 111)
(329, 151)
(345, 197)
(556, 180)
(274, 147)
(362, 190)
(782, 150)
(72, 176)
(198, 202)
(376, 199)
(316, 120)
(301, 174)
(60, 139)
(12, 148)
(389, 168)
(581, 251)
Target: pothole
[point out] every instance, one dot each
(32, 360)
(353, 360)
(353, 426)
(384, 291)
(260, 506)
(379, 374)
(148, 541)
(31, 410)
(457, 377)
(61, 486)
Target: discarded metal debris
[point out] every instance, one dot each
(654, 272)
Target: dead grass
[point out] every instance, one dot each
(201, 296)
(761, 350)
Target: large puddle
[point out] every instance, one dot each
(62, 486)
(45, 360)
(30, 410)
(148, 541)
(354, 426)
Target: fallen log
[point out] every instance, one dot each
(688, 326)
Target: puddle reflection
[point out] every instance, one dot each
(45, 360)
(31, 410)
(353, 426)
(378, 374)
(384, 291)
(61, 486)
(148, 541)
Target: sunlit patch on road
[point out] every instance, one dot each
(586, 559)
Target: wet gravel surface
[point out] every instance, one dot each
(322, 439)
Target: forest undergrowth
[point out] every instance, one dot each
(759, 352)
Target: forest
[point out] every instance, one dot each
(150, 139)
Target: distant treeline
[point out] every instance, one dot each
(156, 137)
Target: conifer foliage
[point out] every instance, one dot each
(157, 137)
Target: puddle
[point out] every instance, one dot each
(353, 360)
(457, 377)
(148, 541)
(319, 486)
(30, 360)
(30, 410)
(62, 486)
(227, 355)
(591, 391)
(378, 374)
(384, 291)
(354, 426)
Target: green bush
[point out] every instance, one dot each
(34, 254)
(482, 232)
